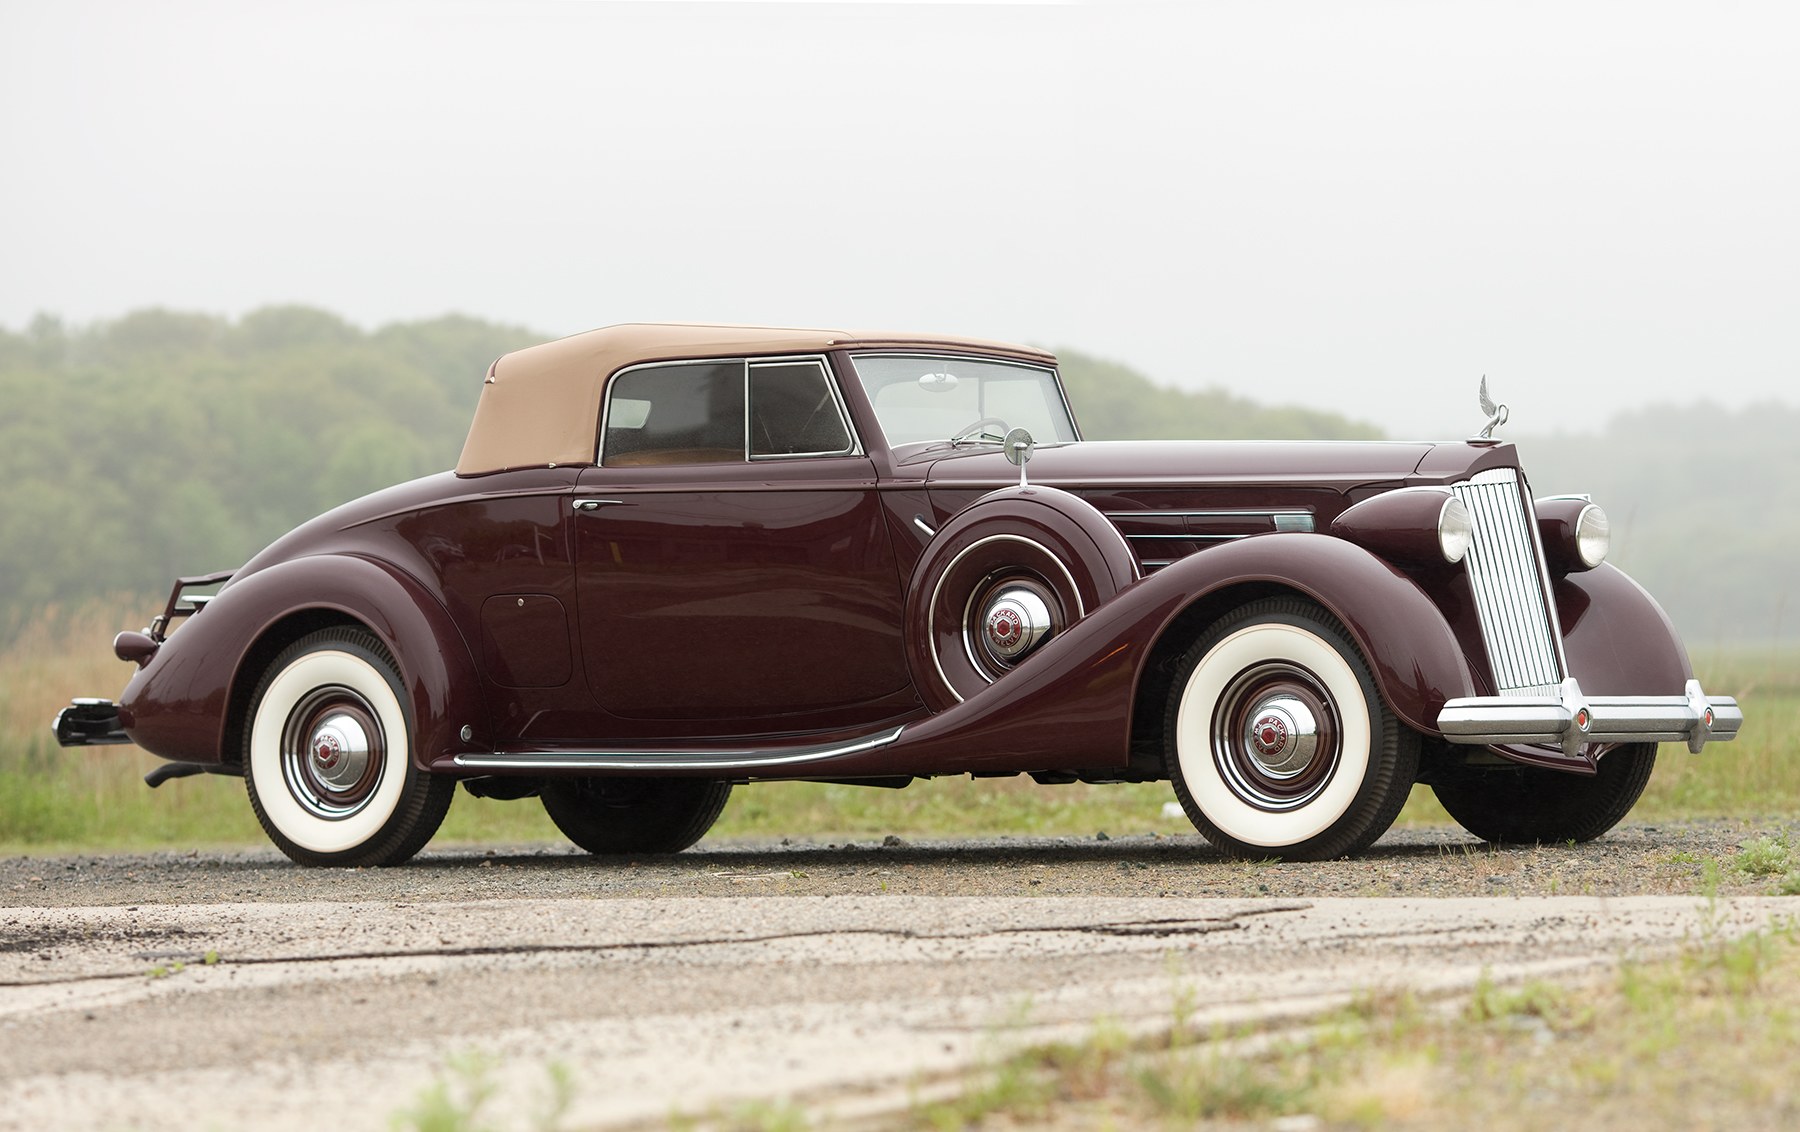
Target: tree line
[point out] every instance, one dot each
(168, 442)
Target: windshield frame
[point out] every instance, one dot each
(1044, 368)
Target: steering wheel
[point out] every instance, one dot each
(973, 429)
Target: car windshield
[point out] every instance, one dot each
(922, 398)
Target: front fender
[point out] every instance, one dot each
(1417, 660)
(1618, 639)
(1070, 705)
(179, 705)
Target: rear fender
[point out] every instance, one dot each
(186, 703)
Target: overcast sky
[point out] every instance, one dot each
(1361, 207)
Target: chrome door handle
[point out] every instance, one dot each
(596, 504)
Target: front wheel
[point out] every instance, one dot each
(1525, 805)
(328, 756)
(634, 815)
(1279, 744)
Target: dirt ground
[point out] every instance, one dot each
(233, 989)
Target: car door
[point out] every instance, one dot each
(734, 569)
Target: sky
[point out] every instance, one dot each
(1356, 207)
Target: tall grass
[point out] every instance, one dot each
(1758, 773)
(93, 797)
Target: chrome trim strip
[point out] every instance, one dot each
(1249, 513)
(1612, 719)
(745, 759)
(1198, 538)
(923, 526)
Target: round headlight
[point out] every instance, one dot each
(1455, 530)
(1593, 536)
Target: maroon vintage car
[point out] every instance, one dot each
(674, 558)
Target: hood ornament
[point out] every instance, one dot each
(1496, 414)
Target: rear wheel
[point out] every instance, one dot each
(634, 815)
(1279, 744)
(328, 756)
(1525, 805)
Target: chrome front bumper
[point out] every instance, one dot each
(1569, 718)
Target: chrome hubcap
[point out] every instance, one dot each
(1276, 736)
(332, 751)
(339, 751)
(1282, 736)
(1015, 621)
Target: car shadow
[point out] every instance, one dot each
(1060, 852)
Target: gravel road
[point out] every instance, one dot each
(1642, 860)
(235, 990)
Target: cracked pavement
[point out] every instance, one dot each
(174, 1011)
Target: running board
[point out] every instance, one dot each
(684, 759)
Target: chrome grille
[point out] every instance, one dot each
(1509, 593)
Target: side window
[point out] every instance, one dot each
(793, 411)
(675, 414)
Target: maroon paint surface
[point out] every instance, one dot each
(738, 601)
(769, 603)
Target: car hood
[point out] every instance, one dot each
(1336, 464)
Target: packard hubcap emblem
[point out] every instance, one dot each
(326, 750)
(1271, 734)
(1005, 627)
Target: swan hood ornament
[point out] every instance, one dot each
(1496, 414)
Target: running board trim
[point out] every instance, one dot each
(684, 759)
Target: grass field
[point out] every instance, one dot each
(1619, 1050)
(94, 799)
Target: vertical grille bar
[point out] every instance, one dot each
(1509, 593)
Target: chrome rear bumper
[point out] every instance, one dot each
(1570, 718)
(87, 723)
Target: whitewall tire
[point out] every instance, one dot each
(328, 756)
(1278, 742)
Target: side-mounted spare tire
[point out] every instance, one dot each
(1003, 577)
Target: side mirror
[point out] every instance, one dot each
(1018, 447)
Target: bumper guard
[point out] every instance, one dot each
(1570, 718)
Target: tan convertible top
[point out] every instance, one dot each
(541, 405)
